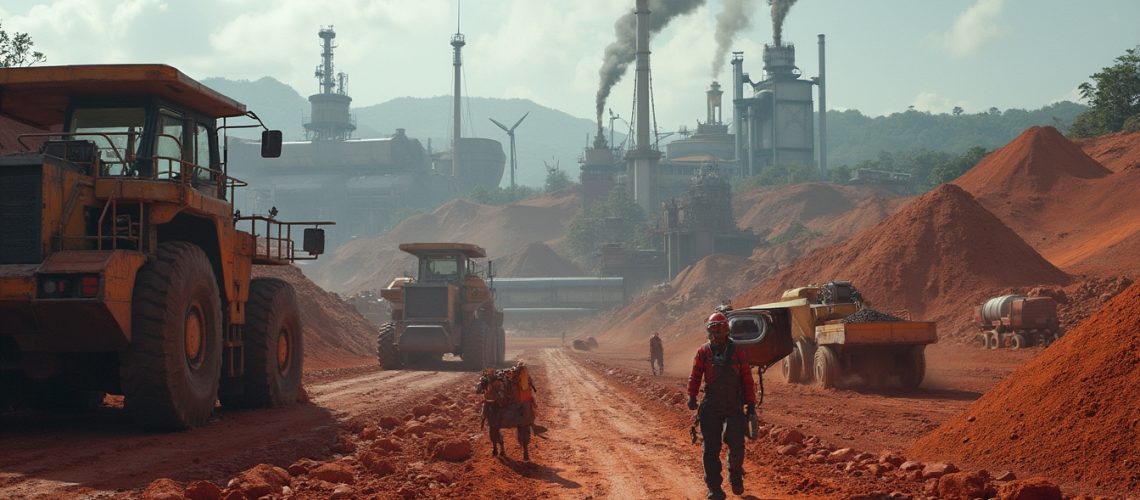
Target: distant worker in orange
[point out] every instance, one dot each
(656, 354)
(729, 399)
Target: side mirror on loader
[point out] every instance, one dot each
(314, 241)
(271, 144)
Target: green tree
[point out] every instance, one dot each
(16, 50)
(950, 169)
(556, 179)
(617, 220)
(1114, 97)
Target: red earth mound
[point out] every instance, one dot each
(1078, 214)
(335, 334)
(536, 260)
(936, 258)
(1069, 413)
(1118, 151)
(370, 264)
(1034, 162)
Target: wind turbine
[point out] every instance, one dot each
(511, 133)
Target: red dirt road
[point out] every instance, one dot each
(610, 435)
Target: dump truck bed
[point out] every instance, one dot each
(877, 333)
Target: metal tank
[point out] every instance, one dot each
(1017, 321)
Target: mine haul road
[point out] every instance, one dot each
(611, 435)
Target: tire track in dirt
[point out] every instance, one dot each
(607, 441)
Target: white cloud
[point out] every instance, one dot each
(1073, 95)
(974, 28)
(934, 103)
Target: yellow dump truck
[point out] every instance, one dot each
(838, 339)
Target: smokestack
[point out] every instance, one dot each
(737, 102)
(642, 75)
(457, 42)
(643, 157)
(326, 71)
(714, 100)
(822, 111)
(620, 53)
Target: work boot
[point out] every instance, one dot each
(737, 483)
(716, 494)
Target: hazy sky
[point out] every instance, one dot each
(883, 55)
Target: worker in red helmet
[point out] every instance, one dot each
(729, 398)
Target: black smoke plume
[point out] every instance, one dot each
(732, 20)
(780, 10)
(622, 51)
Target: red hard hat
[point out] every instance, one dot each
(717, 323)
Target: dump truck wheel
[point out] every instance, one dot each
(791, 366)
(386, 351)
(912, 367)
(274, 347)
(171, 370)
(1017, 341)
(477, 346)
(826, 367)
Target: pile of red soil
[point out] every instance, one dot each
(1078, 214)
(335, 334)
(370, 264)
(1118, 151)
(935, 259)
(1070, 413)
(536, 260)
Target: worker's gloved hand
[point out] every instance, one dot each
(692, 402)
(751, 409)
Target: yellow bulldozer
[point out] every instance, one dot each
(124, 268)
(448, 308)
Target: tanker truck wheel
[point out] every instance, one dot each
(170, 371)
(1017, 341)
(274, 349)
(386, 351)
(477, 346)
(826, 367)
(790, 366)
(912, 367)
(993, 340)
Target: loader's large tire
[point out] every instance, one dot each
(791, 367)
(170, 371)
(274, 348)
(477, 346)
(386, 352)
(827, 369)
(912, 367)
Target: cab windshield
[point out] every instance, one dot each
(116, 132)
(442, 268)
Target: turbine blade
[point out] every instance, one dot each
(520, 121)
(496, 122)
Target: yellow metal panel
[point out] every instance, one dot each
(17, 282)
(894, 332)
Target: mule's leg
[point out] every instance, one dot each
(523, 433)
(497, 447)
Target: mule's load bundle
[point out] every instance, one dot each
(508, 396)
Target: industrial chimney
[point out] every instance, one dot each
(714, 102)
(457, 43)
(822, 112)
(643, 158)
(329, 119)
(738, 107)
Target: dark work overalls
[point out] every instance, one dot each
(722, 417)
